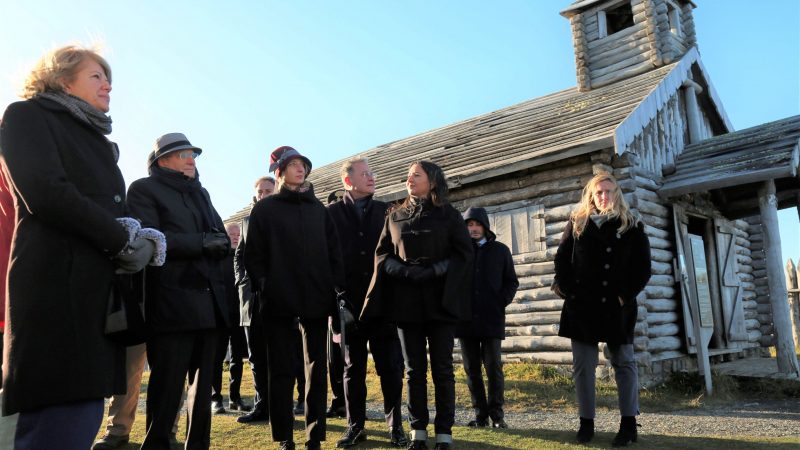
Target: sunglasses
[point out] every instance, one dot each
(188, 154)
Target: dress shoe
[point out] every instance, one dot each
(216, 407)
(499, 423)
(313, 445)
(352, 436)
(478, 423)
(253, 416)
(397, 436)
(442, 446)
(627, 432)
(417, 445)
(173, 439)
(110, 441)
(239, 405)
(299, 409)
(336, 411)
(287, 445)
(586, 431)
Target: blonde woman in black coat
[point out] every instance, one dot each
(602, 264)
(68, 189)
(422, 279)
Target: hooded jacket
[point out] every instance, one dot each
(494, 284)
(293, 245)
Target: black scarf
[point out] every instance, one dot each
(191, 186)
(81, 110)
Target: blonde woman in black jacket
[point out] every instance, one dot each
(602, 264)
(422, 282)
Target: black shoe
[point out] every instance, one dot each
(627, 432)
(299, 409)
(352, 436)
(253, 416)
(216, 407)
(499, 423)
(110, 441)
(173, 439)
(442, 446)
(336, 411)
(239, 405)
(417, 445)
(478, 423)
(586, 431)
(397, 437)
(313, 445)
(287, 445)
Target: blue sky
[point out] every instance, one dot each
(336, 78)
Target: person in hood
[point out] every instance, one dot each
(494, 285)
(295, 265)
(602, 264)
(423, 272)
(185, 298)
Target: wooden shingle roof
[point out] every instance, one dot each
(760, 153)
(534, 132)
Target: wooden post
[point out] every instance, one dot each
(793, 283)
(693, 111)
(778, 295)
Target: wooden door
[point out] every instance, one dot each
(522, 229)
(685, 275)
(730, 286)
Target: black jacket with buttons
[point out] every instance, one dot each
(494, 286)
(594, 272)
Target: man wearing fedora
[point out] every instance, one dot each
(185, 298)
(294, 260)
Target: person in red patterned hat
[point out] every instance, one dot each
(294, 260)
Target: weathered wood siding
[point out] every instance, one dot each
(651, 42)
(763, 308)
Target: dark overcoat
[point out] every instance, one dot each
(68, 192)
(292, 243)
(248, 309)
(594, 272)
(495, 283)
(423, 234)
(188, 291)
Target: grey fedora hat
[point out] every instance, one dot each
(169, 143)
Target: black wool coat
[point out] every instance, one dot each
(293, 244)
(188, 291)
(424, 234)
(494, 285)
(594, 272)
(248, 309)
(68, 191)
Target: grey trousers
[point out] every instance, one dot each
(584, 362)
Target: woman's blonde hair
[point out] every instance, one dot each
(58, 67)
(619, 207)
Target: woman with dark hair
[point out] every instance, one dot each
(602, 264)
(421, 281)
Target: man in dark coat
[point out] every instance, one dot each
(250, 318)
(185, 299)
(233, 335)
(494, 286)
(294, 257)
(359, 220)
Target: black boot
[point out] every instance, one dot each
(627, 432)
(586, 431)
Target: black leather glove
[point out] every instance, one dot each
(135, 256)
(395, 268)
(419, 274)
(216, 245)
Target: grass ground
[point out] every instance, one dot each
(529, 387)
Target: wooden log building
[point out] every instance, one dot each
(645, 109)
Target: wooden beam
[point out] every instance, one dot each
(784, 343)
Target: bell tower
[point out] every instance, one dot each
(616, 39)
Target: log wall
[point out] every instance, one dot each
(651, 42)
(763, 308)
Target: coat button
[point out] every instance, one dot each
(608, 249)
(117, 199)
(363, 252)
(603, 300)
(361, 233)
(607, 266)
(605, 283)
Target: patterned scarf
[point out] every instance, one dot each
(81, 110)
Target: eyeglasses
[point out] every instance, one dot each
(368, 174)
(188, 154)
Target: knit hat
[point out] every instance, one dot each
(281, 156)
(479, 215)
